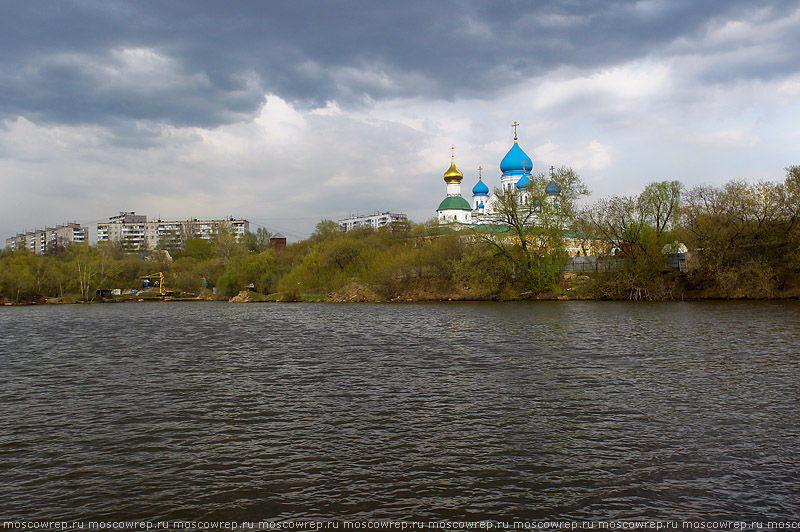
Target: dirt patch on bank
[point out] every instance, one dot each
(354, 293)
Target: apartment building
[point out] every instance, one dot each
(375, 221)
(135, 232)
(49, 239)
(128, 227)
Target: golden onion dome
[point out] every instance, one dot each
(453, 174)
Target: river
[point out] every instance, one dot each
(445, 411)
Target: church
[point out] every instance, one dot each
(515, 168)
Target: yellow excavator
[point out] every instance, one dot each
(157, 280)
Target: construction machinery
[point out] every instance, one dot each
(157, 280)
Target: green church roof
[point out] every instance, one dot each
(454, 202)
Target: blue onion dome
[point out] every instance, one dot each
(480, 188)
(453, 174)
(480, 205)
(523, 182)
(512, 163)
(553, 188)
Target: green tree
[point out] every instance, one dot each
(186, 275)
(325, 230)
(791, 187)
(637, 228)
(486, 272)
(84, 261)
(229, 284)
(536, 222)
(393, 271)
(60, 274)
(225, 245)
(661, 202)
(258, 270)
(748, 234)
(198, 248)
(258, 241)
(93, 266)
(17, 276)
(263, 236)
(129, 269)
(437, 259)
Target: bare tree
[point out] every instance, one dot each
(619, 220)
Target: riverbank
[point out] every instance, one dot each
(573, 287)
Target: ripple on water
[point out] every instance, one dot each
(430, 411)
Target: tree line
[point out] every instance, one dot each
(743, 241)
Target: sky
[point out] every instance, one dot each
(287, 113)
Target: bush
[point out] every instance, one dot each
(228, 284)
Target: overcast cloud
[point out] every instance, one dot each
(285, 113)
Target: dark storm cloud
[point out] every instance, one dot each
(210, 63)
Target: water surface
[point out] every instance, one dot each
(513, 411)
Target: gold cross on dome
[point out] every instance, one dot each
(552, 169)
(479, 172)
(514, 125)
(453, 151)
(523, 165)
